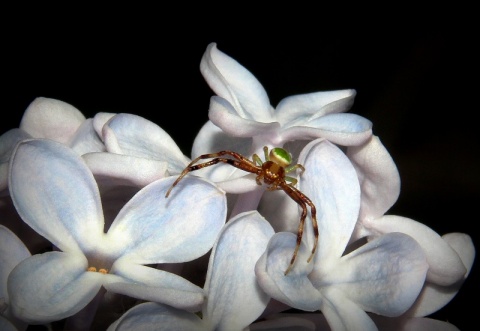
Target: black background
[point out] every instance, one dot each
(417, 84)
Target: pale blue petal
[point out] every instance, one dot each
(211, 139)
(6, 325)
(343, 314)
(99, 120)
(86, 139)
(8, 141)
(12, 252)
(150, 316)
(383, 276)
(280, 210)
(231, 273)
(52, 286)
(341, 129)
(331, 182)
(223, 115)
(233, 82)
(446, 266)
(293, 289)
(55, 193)
(378, 176)
(154, 229)
(136, 136)
(152, 284)
(120, 170)
(434, 297)
(52, 119)
(296, 109)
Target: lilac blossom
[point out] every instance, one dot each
(56, 194)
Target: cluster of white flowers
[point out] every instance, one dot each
(88, 239)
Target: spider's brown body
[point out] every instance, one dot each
(272, 172)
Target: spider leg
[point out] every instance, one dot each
(302, 200)
(238, 161)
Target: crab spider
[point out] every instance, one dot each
(272, 172)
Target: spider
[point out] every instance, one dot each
(272, 172)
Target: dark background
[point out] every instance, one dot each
(417, 86)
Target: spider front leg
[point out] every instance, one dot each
(238, 161)
(302, 200)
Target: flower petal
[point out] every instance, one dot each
(8, 141)
(151, 284)
(331, 182)
(86, 139)
(231, 81)
(383, 276)
(231, 273)
(52, 119)
(343, 314)
(154, 229)
(434, 297)
(293, 289)
(223, 115)
(55, 193)
(446, 267)
(112, 169)
(51, 286)
(157, 317)
(341, 129)
(378, 175)
(298, 108)
(12, 252)
(136, 136)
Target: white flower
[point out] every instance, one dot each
(383, 276)
(12, 252)
(55, 193)
(242, 119)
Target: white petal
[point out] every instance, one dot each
(52, 119)
(154, 229)
(8, 141)
(231, 81)
(99, 120)
(231, 273)
(341, 129)
(383, 276)
(124, 170)
(446, 267)
(151, 284)
(136, 136)
(12, 252)
(211, 139)
(313, 105)
(223, 115)
(331, 182)
(343, 314)
(86, 139)
(6, 325)
(51, 286)
(434, 297)
(55, 193)
(378, 175)
(157, 317)
(293, 289)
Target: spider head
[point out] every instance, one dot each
(280, 156)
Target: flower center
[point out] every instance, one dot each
(101, 270)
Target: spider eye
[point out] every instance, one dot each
(280, 156)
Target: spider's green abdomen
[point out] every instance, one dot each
(280, 156)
